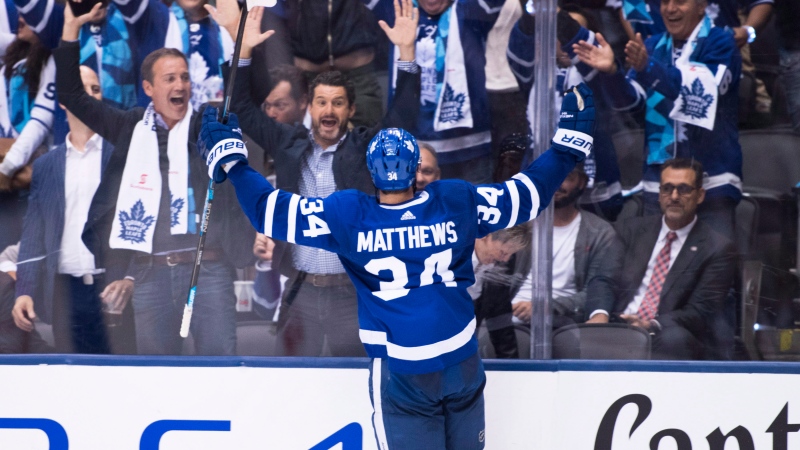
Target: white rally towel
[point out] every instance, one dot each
(697, 102)
(140, 190)
(453, 109)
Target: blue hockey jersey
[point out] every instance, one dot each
(411, 263)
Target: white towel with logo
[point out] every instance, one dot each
(140, 190)
(453, 109)
(697, 102)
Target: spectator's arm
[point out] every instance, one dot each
(38, 127)
(601, 284)
(520, 52)
(718, 56)
(404, 109)
(30, 264)
(104, 119)
(45, 17)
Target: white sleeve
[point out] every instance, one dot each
(39, 125)
(174, 38)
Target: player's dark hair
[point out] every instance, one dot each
(520, 234)
(150, 61)
(37, 54)
(684, 164)
(336, 79)
(292, 75)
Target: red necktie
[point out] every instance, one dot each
(649, 306)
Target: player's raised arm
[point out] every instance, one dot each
(527, 193)
(273, 212)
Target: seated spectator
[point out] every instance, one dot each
(676, 270)
(27, 100)
(113, 43)
(288, 100)
(603, 194)
(142, 225)
(206, 47)
(584, 246)
(59, 281)
(428, 170)
(13, 339)
(454, 113)
(687, 82)
(490, 293)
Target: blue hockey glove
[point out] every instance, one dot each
(220, 144)
(576, 123)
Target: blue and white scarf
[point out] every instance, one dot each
(139, 197)
(206, 47)
(105, 48)
(697, 102)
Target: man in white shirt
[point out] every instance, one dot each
(675, 272)
(583, 244)
(57, 279)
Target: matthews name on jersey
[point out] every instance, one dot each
(411, 263)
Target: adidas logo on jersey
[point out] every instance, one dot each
(407, 216)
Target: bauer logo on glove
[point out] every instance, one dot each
(220, 144)
(576, 123)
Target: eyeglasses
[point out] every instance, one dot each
(683, 189)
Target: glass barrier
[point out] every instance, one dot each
(675, 237)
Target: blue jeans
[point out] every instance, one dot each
(790, 72)
(158, 300)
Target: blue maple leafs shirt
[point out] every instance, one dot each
(411, 263)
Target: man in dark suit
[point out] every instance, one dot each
(142, 225)
(58, 279)
(676, 271)
(317, 162)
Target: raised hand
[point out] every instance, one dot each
(576, 123)
(220, 144)
(72, 24)
(600, 58)
(636, 54)
(404, 33)
(227, 15)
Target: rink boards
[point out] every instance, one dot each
(83, 402)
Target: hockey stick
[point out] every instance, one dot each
(187, 310)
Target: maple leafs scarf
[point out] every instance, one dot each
(696, 104)
(140, 189)
(453, 109)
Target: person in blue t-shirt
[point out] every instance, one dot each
(409, 255)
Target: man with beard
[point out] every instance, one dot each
(676, 270)
(319, 304)
(583, 247)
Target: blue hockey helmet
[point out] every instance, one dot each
(392, 159)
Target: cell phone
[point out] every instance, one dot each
(83, 7)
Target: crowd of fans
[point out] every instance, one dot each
(101, 189)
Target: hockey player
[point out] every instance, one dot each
(409, 255)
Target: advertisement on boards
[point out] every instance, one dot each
(60, 407)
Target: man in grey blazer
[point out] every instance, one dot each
(675, 272)
(583, 245)
(57, 279)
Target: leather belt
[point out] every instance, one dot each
(327, 280)
(176, 258)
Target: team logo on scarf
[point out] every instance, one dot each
(452, 106)
(134, 225)
(695, 101)
(176, 206)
